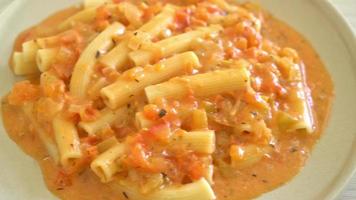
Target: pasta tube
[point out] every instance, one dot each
(299, 116)
(29, 50)
(47, 141)
(159, 22)
(119, 56)
(198, 190)
(25, 63)
(142, 121)
(47, 42)
(85, 16)
(198, 141)
(300, 109)
(67, 139)
(84, 68)
(107, 118)
(201, 85)
(105, 166)
(132, 13)
(245, 156)
(107, 144)
(120, 92)
(199, 120)
(45, 58)
(170, 46)
(21, 67)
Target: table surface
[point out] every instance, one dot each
(348, 9)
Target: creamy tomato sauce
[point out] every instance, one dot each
(288, 156)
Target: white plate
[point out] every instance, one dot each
(334, 158)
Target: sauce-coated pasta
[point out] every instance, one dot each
(171, 100)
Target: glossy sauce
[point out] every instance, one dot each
(293, 148)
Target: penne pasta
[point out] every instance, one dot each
(198, 190)
(300, 109)
(122, 91)
(107, 118)
(142, 122)
(132, 13)
(45, 58)
(171, 45)
(152, 98)
(45, 138)
(198, 141)
(25, 63)
(84, 68)
(29, 50)
(105, 166)
(201, 85)
(118, 57)
(156, 25)
(243, 156)
(225, 5)
(21, 67)
(199, 120)
(85, 16)
(47, 42)
(67, 139)
(107, 144)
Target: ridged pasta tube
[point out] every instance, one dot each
(198, 190)
(118, 57)
(85, 16)
(84, 68)
(105, 166)
(198, 141)
(45, 58)
(200, 85)
(45, 138)
(21, 67)
(171, 45)
(67, 139)
(106, 118)
(123, 90)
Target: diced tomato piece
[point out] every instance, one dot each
(138, 158)
(183, 19)
(151, 112)
(211, 8)
(23, 92)
(195, 170)
(103, 13)
(160, 132)
(70, 37)
(63, 179)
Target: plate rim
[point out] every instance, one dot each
(348, 37)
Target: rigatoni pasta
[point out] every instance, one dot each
(120, 92)
(105, 166)
(170, 46)
(84, 68)
(67, 140)
(45, 58)
(119, 56)
(200, 85)
(164, 100)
